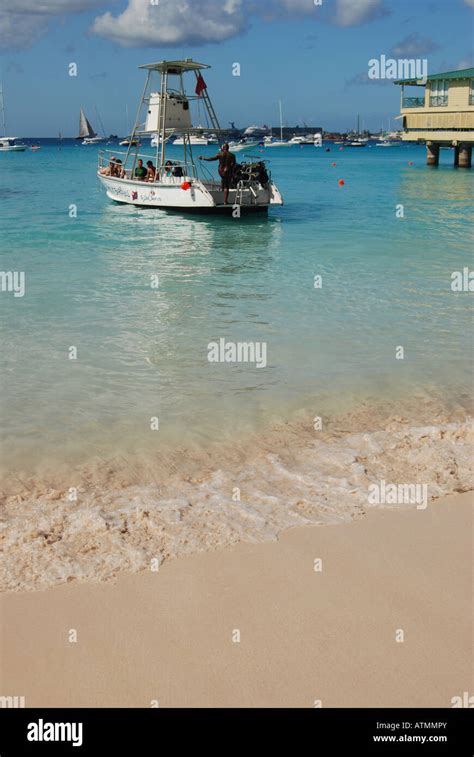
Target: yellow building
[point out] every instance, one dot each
(442, 116)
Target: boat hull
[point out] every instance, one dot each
(13, 148)
(199, 198)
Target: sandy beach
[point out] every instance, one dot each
(309, 631)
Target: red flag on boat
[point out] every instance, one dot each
(200, 85)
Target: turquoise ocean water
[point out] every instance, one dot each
(142, 352)
(91, 486)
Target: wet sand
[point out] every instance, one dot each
(171, 636)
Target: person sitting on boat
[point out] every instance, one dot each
(110, 169)
(227, 163)
(140, 171)
(119, 170)
(151, 171)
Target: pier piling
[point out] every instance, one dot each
(463, 156)
(432, 154)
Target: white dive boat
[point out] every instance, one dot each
(86, 132)
(181, 185)
(281, 142)
(8, 144)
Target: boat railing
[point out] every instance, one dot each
(173, 172)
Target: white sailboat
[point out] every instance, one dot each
(357, 141)
(86, 132)
(8, 144)
(181, 185)
(281, 142)
(386, 138)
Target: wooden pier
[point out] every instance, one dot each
(442, 115)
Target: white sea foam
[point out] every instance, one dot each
(289, 476)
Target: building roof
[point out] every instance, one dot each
(463, 73)
(175, 66)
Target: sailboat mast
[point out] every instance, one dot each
(281, 123)
(2, 106)
(100, 120)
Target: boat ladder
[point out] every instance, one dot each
(239, 195)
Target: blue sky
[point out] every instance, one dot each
(313, 58)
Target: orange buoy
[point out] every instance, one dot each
(185, 185)
(341, 182)
(334, 165)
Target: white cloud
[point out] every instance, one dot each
(414, 45)
(172, 22)
(22, 22)
(354, 12)
(470, 3)
(15, 34)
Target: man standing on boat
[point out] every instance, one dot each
(227, 163)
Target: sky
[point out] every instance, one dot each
(312, 55)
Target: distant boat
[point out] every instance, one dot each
(86, 132)
(128, 141)
(192, 139)
(255, 131)
(8, 144)
(281, 142)
(243, 144)
(357, 141)
(307, 139)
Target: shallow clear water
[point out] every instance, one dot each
(89, 489)
(143, 352)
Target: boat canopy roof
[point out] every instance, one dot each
(175, 66)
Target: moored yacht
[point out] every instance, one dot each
(194, 139)
(278, 142)
(307, 139)
(8, 144)
(11, 144)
